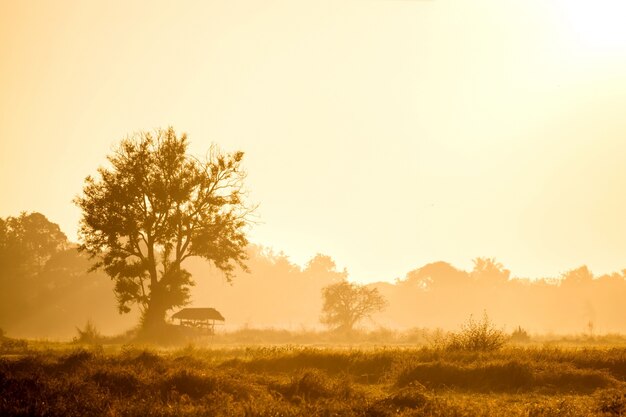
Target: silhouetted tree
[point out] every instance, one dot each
(322, 269)
(346, 303)
(157, 206)
(435, 276)
(490, 271)
(578, 277)
(321, 263)
(27, 242)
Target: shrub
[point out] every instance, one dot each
(89, 334)
(476, 336)
(520, 335)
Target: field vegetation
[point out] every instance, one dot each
(448, 375)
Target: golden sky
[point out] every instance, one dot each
(385, 133)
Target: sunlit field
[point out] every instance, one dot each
(572, 376)
(312, 208)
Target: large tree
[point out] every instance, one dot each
(156, 206)
(345, 304)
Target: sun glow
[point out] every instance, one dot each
(598, 25)
(499, 123)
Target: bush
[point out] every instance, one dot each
(475, 336)
(88, 335)
(520, 335)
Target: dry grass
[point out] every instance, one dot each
(295, 381)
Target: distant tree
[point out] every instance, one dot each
(323, 270)
(578, 277)
(345, 304)
(321, 263)
(436, 275)
(27, 242)
(488, 270)
(153, 208)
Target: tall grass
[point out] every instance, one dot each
(294, 381)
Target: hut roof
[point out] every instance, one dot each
(198, 314)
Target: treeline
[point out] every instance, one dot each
(46, 291)
(436, 295)
(45, 287)
(439, 295)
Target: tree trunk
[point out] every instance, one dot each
(153, 319)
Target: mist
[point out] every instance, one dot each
(276, 293)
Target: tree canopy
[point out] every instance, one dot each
(27, 242)
(156, 206)
(345, 304)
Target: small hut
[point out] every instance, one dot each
(199, 318)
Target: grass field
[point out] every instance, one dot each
(128, 380)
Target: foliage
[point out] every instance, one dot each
(324, 265)
(520, 335)
(436, 275)
(490, 271)
(156, 206)
(345, 304)
(27, 242)
(89, 334)
(580, 276)
(44, 283)
(476, 336)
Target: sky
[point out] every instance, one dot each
(384, 133)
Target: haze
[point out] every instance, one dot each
(387, 134)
